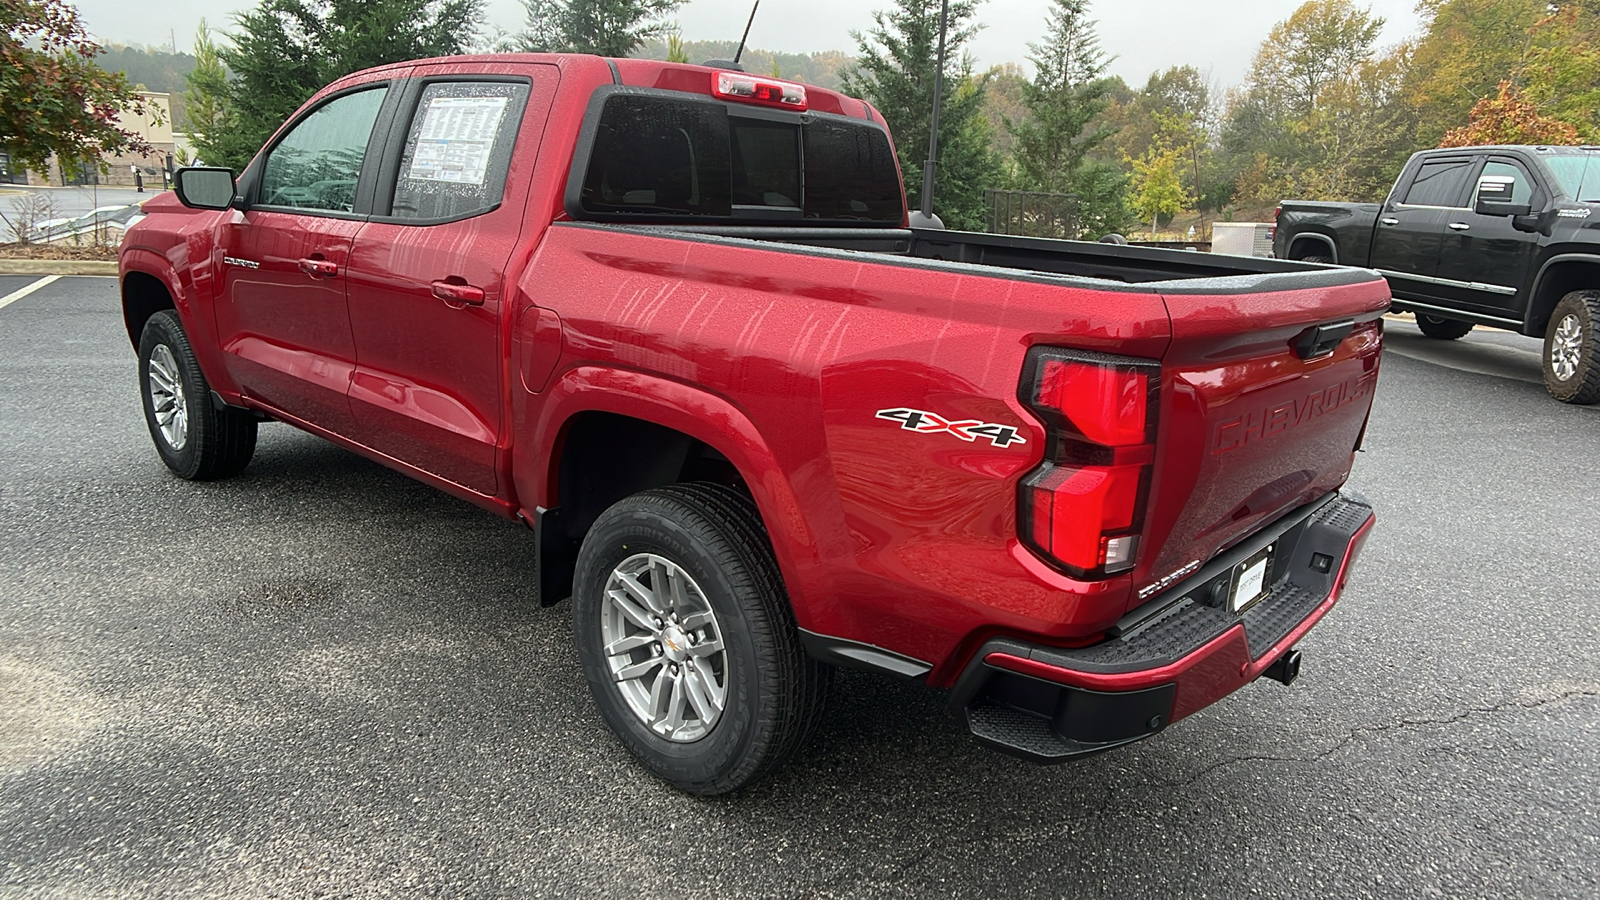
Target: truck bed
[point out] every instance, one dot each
(1157, 270)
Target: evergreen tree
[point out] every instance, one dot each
(895, 73)
(603, 27)
(206, 98)
(1065, 102)
(285, 50)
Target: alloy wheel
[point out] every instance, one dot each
(167, 400)
(664, 647)
(1565, 348)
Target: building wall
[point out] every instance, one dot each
(155, 127)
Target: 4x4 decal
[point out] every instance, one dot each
(924, 422)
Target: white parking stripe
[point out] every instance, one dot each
(14, 296)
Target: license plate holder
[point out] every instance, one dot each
(1251, 580)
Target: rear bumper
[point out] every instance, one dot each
(1171, 657)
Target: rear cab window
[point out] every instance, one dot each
(662, 155)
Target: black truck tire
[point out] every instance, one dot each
(1572, 351)
(197, 441)
(687, 639)
(1441, 329)
(1325, 260)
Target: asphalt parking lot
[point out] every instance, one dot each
(322, 679)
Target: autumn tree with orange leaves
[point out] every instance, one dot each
(1510, 118)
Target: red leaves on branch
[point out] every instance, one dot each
(1510, 118)
(54, 99)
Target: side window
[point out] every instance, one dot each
(458, 149)
(316, 165)
(1521, 189)
(1439, 184)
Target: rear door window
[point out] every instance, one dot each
(679, 156)
(458, 149)
(1439, 184)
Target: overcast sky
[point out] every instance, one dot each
(1217, 36)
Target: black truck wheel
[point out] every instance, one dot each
(688, 641)
(1325, 260)
(1571, 366)
(196, 440)
(1442, 329)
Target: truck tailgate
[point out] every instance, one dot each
(1266, 394)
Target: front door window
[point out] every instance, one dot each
(317, 164)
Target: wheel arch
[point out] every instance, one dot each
(1559, 276)
(1303, 245)
(607, 433)
(144, 294)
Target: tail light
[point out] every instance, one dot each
(763, 91)
(1082, 509)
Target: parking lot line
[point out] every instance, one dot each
(16, 295)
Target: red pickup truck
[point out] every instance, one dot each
(673, 319)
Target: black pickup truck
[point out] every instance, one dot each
(1506, 237)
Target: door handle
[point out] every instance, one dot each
(458, 295)
(1460, 226)
(319, 267)
(1388, 221)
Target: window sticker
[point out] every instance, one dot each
(458, 134)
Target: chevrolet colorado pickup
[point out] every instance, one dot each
(1498, 236)
(673, 319)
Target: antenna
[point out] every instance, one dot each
(740, 52)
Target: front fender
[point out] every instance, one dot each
(186, 270)
(703, 416)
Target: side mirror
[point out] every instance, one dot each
(1494, 197)
(204, 187)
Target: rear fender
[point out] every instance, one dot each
(701, 415)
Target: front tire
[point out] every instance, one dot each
(1571, 369)
(1442, 329)
(688, 641)
(197, 441)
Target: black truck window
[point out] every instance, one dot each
(1521, 187)
(1439, 183)
(662, 156)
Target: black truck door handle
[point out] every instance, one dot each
(1320, 340)
(1460, 226)
(1388, 221)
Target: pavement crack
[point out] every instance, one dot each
(1403, 724)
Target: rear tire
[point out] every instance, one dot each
(1571, 366)
(197, 441)
(1325, 260)
(687, 639)
(1442, 329)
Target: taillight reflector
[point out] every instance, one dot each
(763, 91)
(1082, 509)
